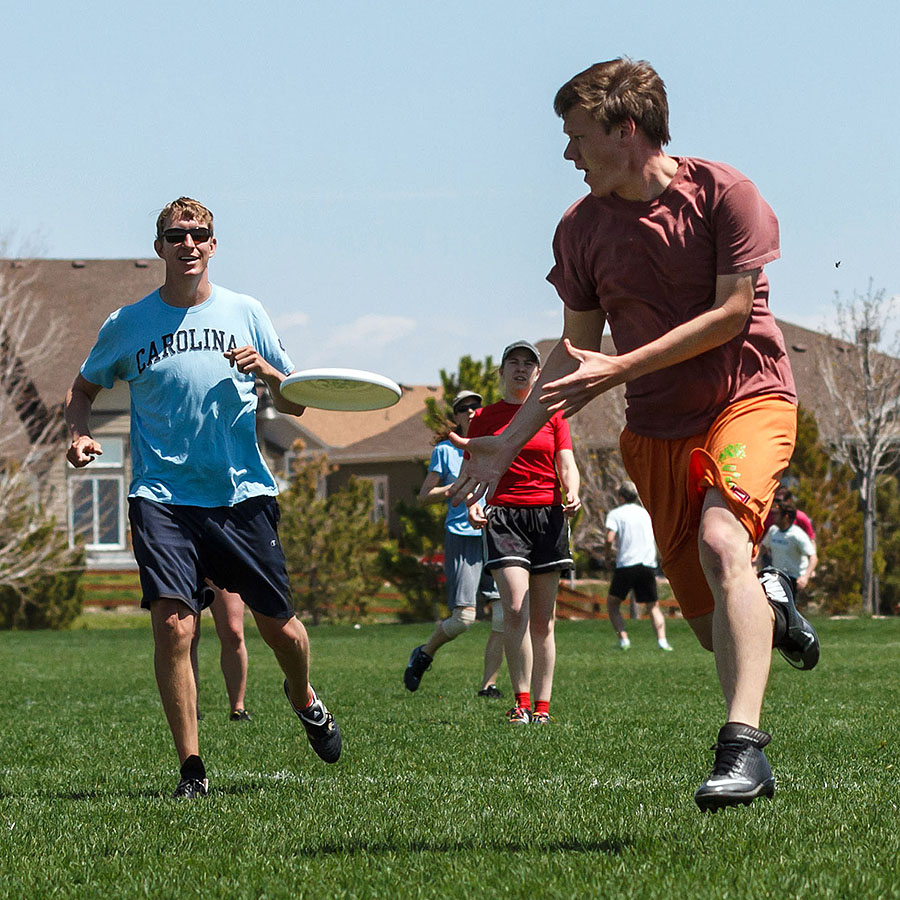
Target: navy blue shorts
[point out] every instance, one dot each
(237, 547)
(640, 579)
(532, 537)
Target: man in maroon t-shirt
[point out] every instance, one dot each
(670, 251)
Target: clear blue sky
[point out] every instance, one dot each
(386, 177)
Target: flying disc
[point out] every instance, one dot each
(350, 390)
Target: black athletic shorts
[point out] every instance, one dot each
(533, 537)
(178, 547)
(640, 579)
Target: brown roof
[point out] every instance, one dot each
(78, 295)
(398, 432)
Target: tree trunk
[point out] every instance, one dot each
(869, 586)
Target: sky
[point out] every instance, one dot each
(386, 177)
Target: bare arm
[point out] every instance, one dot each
(803, 580)
(248, 360)
(431, 491)
(491, 456)
(570, 479)
(596, 372)
(79, 400)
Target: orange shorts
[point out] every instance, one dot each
(742, 455)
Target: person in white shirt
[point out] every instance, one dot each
(789, 548)
(629, 526)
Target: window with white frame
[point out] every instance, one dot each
(380, 496)
(97, 499)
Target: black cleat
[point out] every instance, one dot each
(800, 643)
(419, 662)
(189, 788)
(240, 715)
(741, 772)
(321, 729)
(491, 691)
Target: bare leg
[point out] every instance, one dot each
(658, 620)
(616, 619)
(543, 592)
(437, 640)
(742, 622)
(174, 625)
(493, 658)
(228, 614)
(512, 583)
(290, 644)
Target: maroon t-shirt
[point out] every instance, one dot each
(531, 480)
(651, 266)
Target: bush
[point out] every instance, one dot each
(414, 563)
(330, 545)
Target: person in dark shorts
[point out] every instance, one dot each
(628, 528)
(526, 534)
(463, 556)
(202, 500)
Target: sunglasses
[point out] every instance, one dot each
(469, 408)
(177, 235)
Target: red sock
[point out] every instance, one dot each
(543, 706)
(524, 699)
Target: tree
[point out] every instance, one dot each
(330, 544)
(473, 375)
(414, 563)
(861, 374)
(602, 471)
(823, 490)
(38, 570)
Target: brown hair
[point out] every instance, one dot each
(183, 208)
(789, 509)
(618, 90)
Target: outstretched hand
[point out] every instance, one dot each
(488, 459)
(596, 374)
(82, 451)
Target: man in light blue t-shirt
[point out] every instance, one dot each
(202, 501)
(463, 559)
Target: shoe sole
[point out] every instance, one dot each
(714, 802)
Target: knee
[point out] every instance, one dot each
(722, 548)
(231, 639)
(460, 620)
(284, 634)
(176, 632)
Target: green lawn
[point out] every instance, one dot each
(436, 795)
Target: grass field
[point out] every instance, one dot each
(436, 795)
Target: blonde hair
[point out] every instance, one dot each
(183, 208)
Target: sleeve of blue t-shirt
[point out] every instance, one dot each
(103, 364)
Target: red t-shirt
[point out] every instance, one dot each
(531, 480)
(651, 266)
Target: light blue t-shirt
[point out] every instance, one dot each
(446, 460)
(193, 415)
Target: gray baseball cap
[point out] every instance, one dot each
(521, 345)
(465, 395)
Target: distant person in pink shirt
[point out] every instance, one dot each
(802, 520)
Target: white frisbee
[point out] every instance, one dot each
(349, 390)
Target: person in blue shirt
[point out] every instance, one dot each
(463, 559)
(202, 501)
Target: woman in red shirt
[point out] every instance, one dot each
(526, 533)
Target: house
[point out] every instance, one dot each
(68, 301)
(71, 299)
